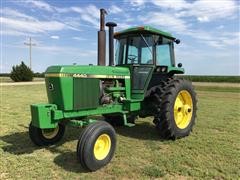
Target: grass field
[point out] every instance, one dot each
(220, 79)
(193, 78)
(9, 80)
(212, 151)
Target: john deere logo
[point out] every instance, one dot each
(50, 87)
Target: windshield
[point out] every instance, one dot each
(138, 51)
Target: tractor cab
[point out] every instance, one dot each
(148, 53)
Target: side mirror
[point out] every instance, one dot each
(177, 41)
(179, 65)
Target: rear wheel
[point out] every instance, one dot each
(96, 145)
(175, 109)
(44, 137)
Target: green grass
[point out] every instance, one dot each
(212, 151)
(9, 80)
(5, 79)
(218, 89)
(229, 79)
(220, 79)
(193, 78)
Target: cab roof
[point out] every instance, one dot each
(145, 29)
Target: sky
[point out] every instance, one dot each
(65, 31)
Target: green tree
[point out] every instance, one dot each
(21, 73)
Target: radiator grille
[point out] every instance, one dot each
(86, 93)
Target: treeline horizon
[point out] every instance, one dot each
(193, 78)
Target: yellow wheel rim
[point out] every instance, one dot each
(102, 147)
(183, 108)
(50, 133)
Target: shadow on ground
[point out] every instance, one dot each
(142, 130)
(69, 162)
(19, 143)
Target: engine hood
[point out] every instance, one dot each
(87, 71)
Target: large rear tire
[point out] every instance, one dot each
(96, 145)
(175, 108)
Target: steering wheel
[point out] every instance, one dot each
(150, 61)
(132, 58)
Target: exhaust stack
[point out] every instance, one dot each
(111, 26)
(102, 39)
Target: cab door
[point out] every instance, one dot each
(140, 76)
(140, 58)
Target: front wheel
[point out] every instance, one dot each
(96, 145)
(44, 137)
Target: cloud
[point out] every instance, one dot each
(115, 9)
(79, 38)
(67, 50)
(211, 38)
(88, 18)
(92, 10)
(178, 19)
(203, 19)
(136, 2)
(8, 12)
(202, 10)
(220, 27)
(16, 23)
(89, 14)
(31, 26)
(215, 39)
(39, 4)
(15, 33)
(176, 5)
(122, 25)
(54, 37)
(206, 10)
(164, 20)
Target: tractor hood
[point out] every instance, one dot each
(79, 87)
(87, 71)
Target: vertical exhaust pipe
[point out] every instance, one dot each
(111, 26)
(102, 39)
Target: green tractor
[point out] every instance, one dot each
(139, 83)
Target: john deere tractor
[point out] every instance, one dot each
(140, 82)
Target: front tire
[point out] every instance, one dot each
(177, 107)
(96, 145)
(45, 137)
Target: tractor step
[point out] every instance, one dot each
(126, 123)
(81, 123)
(129, 124)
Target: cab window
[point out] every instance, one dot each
(163, 55)
(120, 55)
(135, 50)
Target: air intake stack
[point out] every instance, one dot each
(111, 26)
(102, 39)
